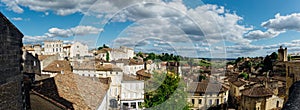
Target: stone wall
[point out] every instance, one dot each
(10, 66)
(31, 64)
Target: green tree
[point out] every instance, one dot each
(104, 46)
(238, 60)
(151, 56)
(107, 56)
(274, 56)
(243, 75)
(140, 54)
(165, 91)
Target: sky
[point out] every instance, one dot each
(194, 28)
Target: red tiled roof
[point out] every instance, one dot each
(206, 86)
(57, 66)
(128, 78)
(83, 92)
(142, 72)
(43, 57)
(260, 91)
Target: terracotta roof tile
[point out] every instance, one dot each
(84, 93)
(129, 78)
(43, 57)
(57, 66)
(260, 91)
(206, 86)
(95, 65)
(142, 72)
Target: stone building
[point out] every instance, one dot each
(129, 66)
(282, 54)
(79, 50)
(132, 93)
(236, 86)
(260, 98)
(37, 49)
(53, 47)
(121, 53)
(205, 94)
(293, 101)
(31, 68)
(292, 74)
(11, 97)
(66, 50)
(69, 91)
(143, 75)
(56, 67)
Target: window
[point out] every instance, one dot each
(200, 101)
(277, 104)
(217, 101)
(193, 101)
(133, 105)
(210, 101)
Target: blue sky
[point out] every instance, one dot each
(207, 28)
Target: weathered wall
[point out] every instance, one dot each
(10, 66)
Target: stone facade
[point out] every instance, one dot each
(260, 98)
(121, 53)
(132, 93)
(10, 71)
(79, 50)
(53, 47)
(282, 54)
(203, 95)
(292, 74)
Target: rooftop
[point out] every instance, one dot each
(206, 86)
(43, 57)
(260, 91)
(57, 66)
(84, 93)
(129, 78)
(143, 72)
(95, 65)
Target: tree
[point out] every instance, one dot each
(150, 56)
(274, 56)
(104, 46)
(244, 75)
(168, 94)
(140, 54)
(107, 56)
(201, 77)
(238, 60)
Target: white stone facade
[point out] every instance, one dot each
(132, 94)
(79, 50)
(121, 53)
(53, 47)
